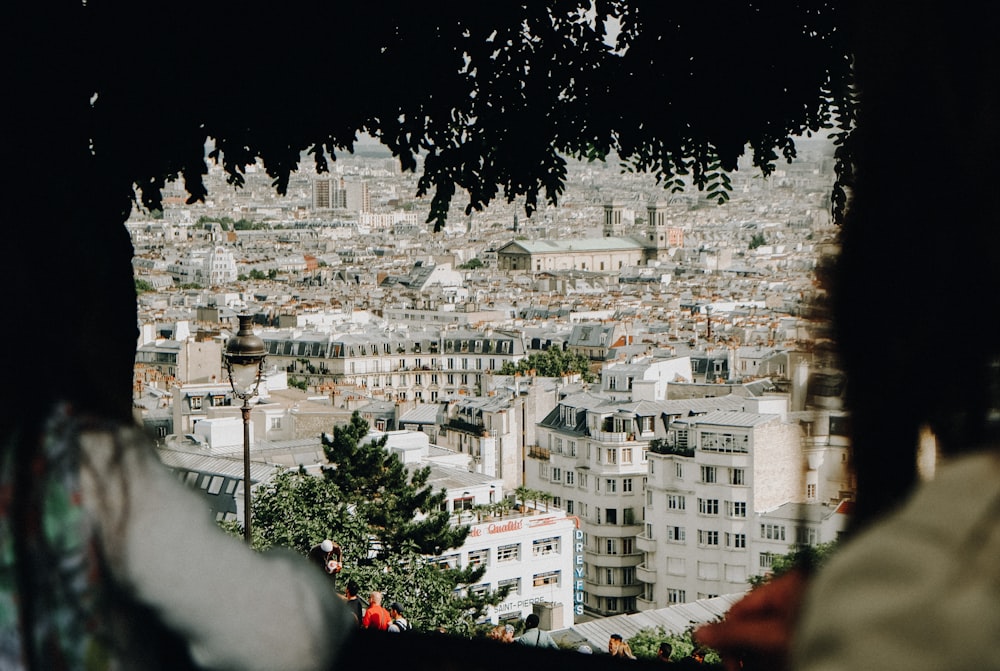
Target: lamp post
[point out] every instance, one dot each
(244, 356)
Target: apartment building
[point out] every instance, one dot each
(593, 455)
(726, 491)
(391, 365)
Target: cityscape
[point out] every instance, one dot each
(705, 437)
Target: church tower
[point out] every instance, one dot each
(614, 225)
(657, 230)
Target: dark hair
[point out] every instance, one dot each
(616, 637)
(531, 621)
(352, 587)
(666, 649)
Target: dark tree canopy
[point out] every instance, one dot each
(492, 96)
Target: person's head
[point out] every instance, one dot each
(508, 633)
(396, 609)
(375, 598)
(614, 643)
(531, 621)
(352, 588)
(698, 654)
(665, 650)
(326, 545)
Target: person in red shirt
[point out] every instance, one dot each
(376, 617)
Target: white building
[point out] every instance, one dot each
(534, 552)
(726, 492)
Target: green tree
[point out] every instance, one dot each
(757, 240)
(553, 362)
(257, 274)
(645, 644)
(142, 286)
(472, 264)
(804, 556)
(403, 511)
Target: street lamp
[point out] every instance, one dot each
(245, 354)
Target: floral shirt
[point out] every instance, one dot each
(60, 550)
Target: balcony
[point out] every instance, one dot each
(537, 452)
(645, 544)
(645, 574)
(610, 436)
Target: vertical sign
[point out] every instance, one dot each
(578, 572)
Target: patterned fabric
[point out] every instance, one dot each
(65, 573)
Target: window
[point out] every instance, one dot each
(676, 502)
(571, 448)
(724, 442)
(513, 583)
(570, 475)
(548, 578)
(678, 470)
(765, 559)
(557, 474)
(772, 532)
(583, 481)
(609, 576)
(736, 508)
(627, 485)
(544, 546)
(627, 546)
(480, 590)
(611, 546)
(216, 485)
(708, 570)
(611, 604)
(676, 596)
(675, 534)
(675, 566)
(611, 456)
(708, 506)
(218, 401)
(611, 516)
(196, 402)
(708, 474)
(509, 552)
(611, 486)
(708, 537)
(479, 557)
(736, 540)
(811, 491)
(737, 476)
(806, 536)
(628, 575)
(569, 506)
(626, 455)
(275, 422)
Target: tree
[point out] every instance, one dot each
(804, 556)
(645, 644)
(386, 520)
(471, 264)
(142, 286)
(553, 362)
(404, 512)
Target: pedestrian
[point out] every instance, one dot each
(617, 647)
(534, 636)
(664, 652)
(353, 602)
(328, 556)
(376, 617)
(397, 623)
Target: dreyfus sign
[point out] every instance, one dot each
(578, 572)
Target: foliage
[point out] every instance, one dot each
(258, 274)
(386, 523)
(757, 240)
(471, 264)
(805, 556)
(298, 383)
(492, 110)
(404, 512)
(142, 286)
(645, 644)
(553, 362)
(230, 224)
